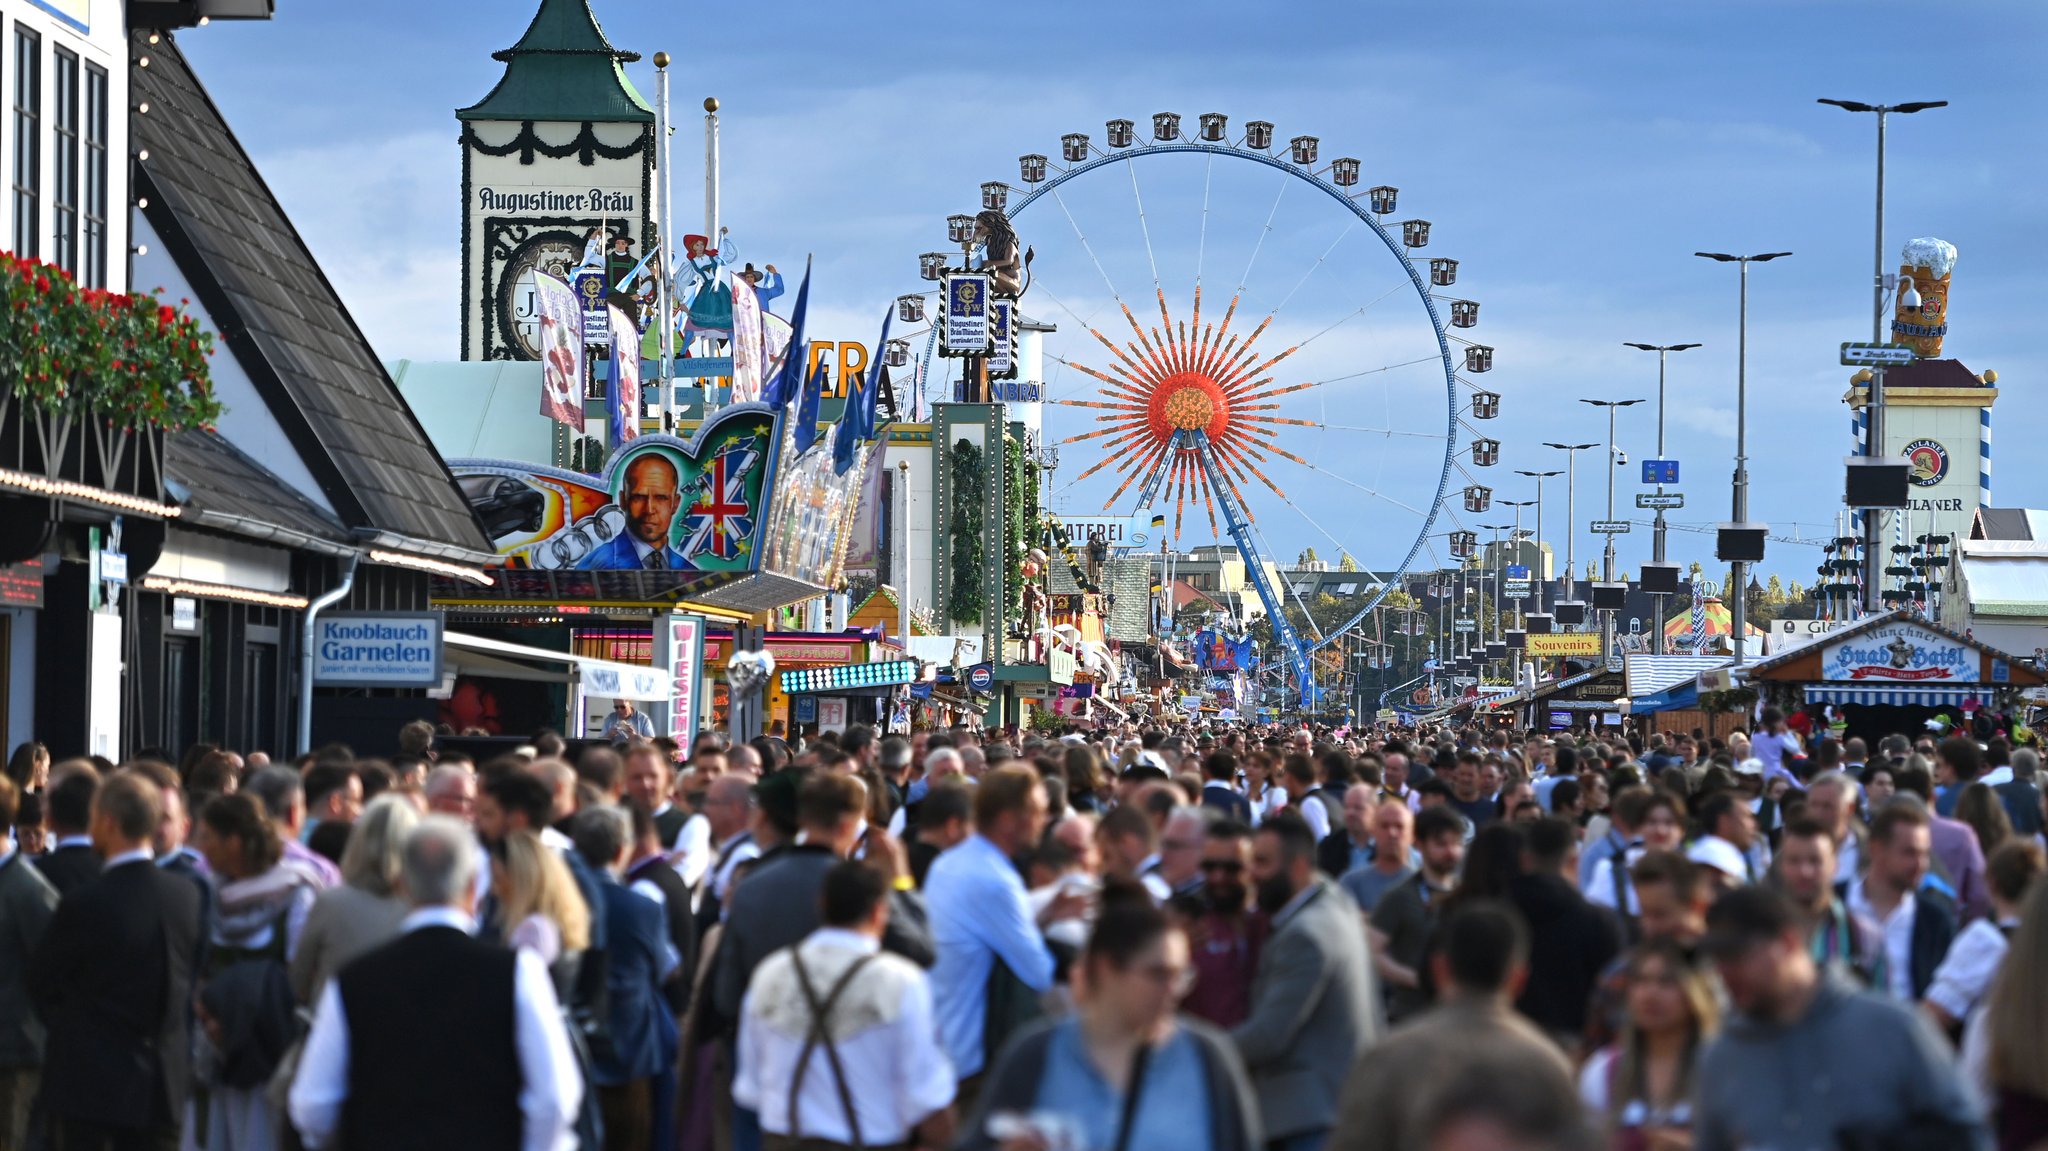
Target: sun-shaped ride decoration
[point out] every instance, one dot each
(1178, 380)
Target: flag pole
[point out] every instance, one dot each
(709, 388)
(664, 309)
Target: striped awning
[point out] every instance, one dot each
(1898, 695)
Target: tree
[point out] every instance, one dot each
(1774, 592)
(1308, 557)
(1345, 563)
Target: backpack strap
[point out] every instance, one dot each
(820, 1034)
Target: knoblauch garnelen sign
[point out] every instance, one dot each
(1901, 653)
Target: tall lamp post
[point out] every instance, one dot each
(1571, 521)
(1540, 579)
(1607, 557)
(1738, 606)
(1873, 438)
(1657, 534)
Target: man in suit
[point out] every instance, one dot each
(112, 981)
(1314, 1004)
(1219, 787)
(650, 497)
(638, 960)
(71, 862)
(26, 903)
(437, 1039)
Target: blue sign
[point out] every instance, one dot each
(981, 677)
(1518, 571)
(1660, 471)
(920, 691)
(377, 649)
(590, 288)
(807, 709)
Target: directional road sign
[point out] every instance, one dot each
(1876, 355)
(1660, 471)
(1610, 527)
(1660, 499)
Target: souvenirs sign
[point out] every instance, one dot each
(663, 503)
(1900, 653)
(967, 327)
(1562, 643)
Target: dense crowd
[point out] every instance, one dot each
(1233, 937)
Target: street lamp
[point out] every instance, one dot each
(1874, 433)
(1607, 559)
(1571, 520)
(1539, 477)
(1739, 596)
(1657, 534)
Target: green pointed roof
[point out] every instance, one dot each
(563, 69)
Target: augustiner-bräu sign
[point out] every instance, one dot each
(585, 201)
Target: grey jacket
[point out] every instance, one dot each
(777, 905)
(1315, 1010)
(1856, 1064)
(26, 903)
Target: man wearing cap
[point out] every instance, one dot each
(1731, 845)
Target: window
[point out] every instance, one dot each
(64, 147)
(93, 270)
(1347, 588)
(28, 142)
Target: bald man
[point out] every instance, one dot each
(650, 498)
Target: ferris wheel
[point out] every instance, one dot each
(1244, 341)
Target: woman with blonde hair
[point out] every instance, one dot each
(1641, 1086)
(367, 908)
(540, 908)
(2008, 1038)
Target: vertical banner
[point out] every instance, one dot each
(1002, 361)
(679, 647)
(966, 314)
(748, 342)
(590, 295)
(561, 350)
(623, 394)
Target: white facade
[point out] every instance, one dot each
(64, 136)
(518, 216)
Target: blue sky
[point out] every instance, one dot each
(1571, 155)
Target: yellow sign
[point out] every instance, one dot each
(1563, 643)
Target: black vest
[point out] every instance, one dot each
(668, 823)
(433, 1055)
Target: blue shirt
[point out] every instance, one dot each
(1173, 1100)
(979, 911)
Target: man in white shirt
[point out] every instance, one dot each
(402, 1050)
(1831, 799)
(838, 1044)
(1901, 849)
(625, 722)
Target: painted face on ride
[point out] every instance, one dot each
(651, 498)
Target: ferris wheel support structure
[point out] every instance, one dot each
(1239, 529)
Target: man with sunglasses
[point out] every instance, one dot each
(1224, 932)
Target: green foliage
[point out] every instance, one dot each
(1020, 518)
(965, 598)
(124, 360)
(1346, 564)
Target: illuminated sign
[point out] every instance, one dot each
(21, 585)
(887, 673)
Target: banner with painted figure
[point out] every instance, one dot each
(663, 503)
(561, 350)
(748, 342)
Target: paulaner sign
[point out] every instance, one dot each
(377, 649)
(586, 202)
(1900, 653)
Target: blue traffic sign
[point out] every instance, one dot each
(1518, 571)
(1660, 471)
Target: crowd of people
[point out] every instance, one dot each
(1239, 937)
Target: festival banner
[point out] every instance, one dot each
(966, 313)
(1002, 360)
(1900, 653)
(749, 350)
(561, 343)
(622, 381)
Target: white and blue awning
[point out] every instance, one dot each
(1899, 695)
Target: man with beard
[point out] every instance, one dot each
(1314, 1000)
(1405, 916)
(1226, 938)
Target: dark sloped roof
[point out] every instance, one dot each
(219, 477)
(2001, 524)
(283, 320)
(1931, 374)
(563, 68)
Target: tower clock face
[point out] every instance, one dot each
(554, 253)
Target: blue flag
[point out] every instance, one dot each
(788, 382)
(622, 381)
(857, 420)
(807, 410)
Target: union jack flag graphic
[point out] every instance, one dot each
(721, 522)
